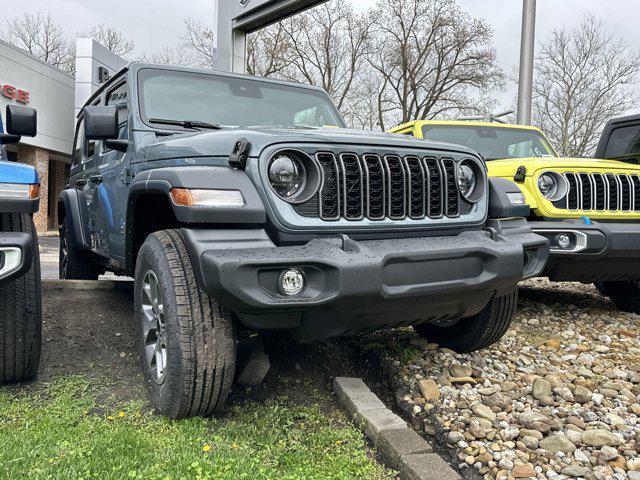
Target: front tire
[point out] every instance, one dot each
(186, 339)
(74, 264)
(477, 332)
(625, 295)
(21, 311)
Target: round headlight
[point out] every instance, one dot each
(286, 175)
(548, 185)
(467, 179)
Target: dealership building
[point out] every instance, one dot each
(57, 97)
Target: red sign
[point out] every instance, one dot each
(13, 93)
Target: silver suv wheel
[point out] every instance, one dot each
(154, 327)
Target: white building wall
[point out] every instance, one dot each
(51, 93)
(90, 56)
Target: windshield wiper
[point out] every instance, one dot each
(186, 123)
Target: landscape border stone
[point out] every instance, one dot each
(399, 446)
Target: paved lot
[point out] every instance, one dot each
(49, 247)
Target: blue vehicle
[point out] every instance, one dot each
(20, 291)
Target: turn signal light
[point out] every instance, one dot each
(182, 197)
(199, 197)
(34, 191)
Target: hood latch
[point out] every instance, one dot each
(240, 155)
(521, 174)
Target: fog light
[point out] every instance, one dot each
(291, 282)
(563, 240)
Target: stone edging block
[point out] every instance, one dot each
(400, 447)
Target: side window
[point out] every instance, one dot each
(623, 141)
(78, 145)
(118, 97)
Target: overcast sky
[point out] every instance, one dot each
(153, 24)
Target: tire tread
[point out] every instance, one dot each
(21, 311)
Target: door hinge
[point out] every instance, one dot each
(125, 176)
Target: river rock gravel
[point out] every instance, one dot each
(557, 398)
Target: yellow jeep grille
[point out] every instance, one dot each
(605, 192)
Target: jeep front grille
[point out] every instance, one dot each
(601, 192)
(391, 186)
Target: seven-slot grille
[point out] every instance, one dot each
(379, 187)
(601, 192)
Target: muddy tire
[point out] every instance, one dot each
(625, 295)
(21, 311)
(186, 339)
(74, 264)
(476, 332)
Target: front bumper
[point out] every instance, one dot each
(356, 286)
(602, 251)
(15, 255)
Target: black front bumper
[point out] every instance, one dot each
(606, 251)
(15, 255)
(356, 286)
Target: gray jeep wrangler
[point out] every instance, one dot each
(242, 204)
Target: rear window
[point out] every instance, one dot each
(623, 141)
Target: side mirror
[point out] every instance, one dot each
(100, 123)
(21, 121)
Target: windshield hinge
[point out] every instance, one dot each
(240, 155)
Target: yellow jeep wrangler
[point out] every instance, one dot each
(589, 209)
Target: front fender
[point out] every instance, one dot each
(69, 208)
(162, 180)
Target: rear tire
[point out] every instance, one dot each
(625, 295)
(186, 339)
(477, 332)
(21, 311)
(74, 264)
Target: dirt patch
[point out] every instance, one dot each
(92, 333)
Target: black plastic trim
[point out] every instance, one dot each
(499, 204)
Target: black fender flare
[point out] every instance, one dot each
(162, 180)
(500, 205)
(69, 201)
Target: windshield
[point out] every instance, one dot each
(228, 101)
(491, 142)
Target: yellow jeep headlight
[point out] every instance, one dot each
(552, 186)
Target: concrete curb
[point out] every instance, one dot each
(399, 446)
(80, 285)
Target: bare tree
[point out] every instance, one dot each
(177, 56)
(583, 77)
(269, 51)
(112, 38)
(199, 40)
(328, 47)
(434, 60)
(39, 35)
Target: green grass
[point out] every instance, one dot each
(63, 433)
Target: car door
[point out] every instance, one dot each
(83, 166)
(110, 183)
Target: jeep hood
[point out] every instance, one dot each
(508, 167)
(220, 143)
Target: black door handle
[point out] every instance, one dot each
(95, 178)
(80, 183)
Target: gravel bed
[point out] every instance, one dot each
(556, 398)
